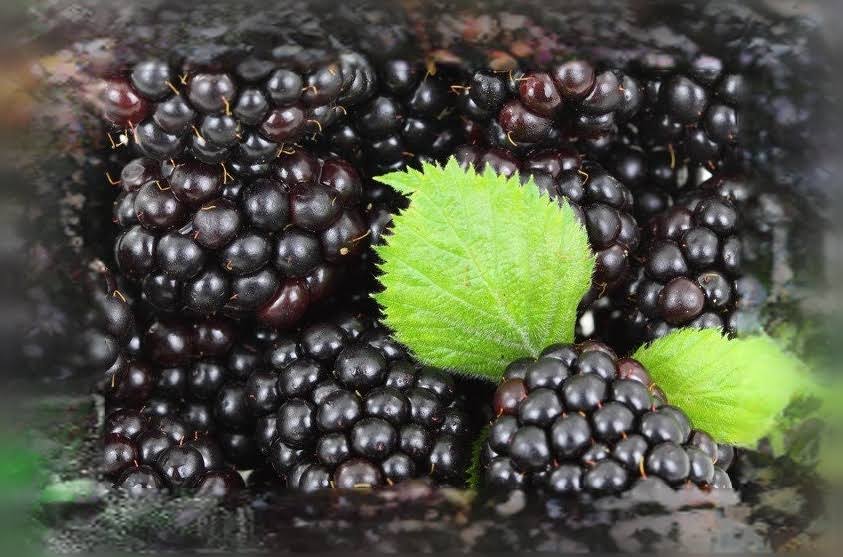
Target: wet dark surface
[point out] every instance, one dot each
(779, 507)
(53, 168)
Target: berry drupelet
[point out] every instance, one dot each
(577, 420)
(601, 202)
(245, 115)
(197, 239)
(345, 407)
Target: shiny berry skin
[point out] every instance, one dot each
(669, 462)
(135, 250)
(119, 453)
(181, 466)
(284, 87)
(357, 474)
(124, 107)
(284, 124)
(685, 99)
(721, 123)
(539, 94)
(210, 92)
(606, 477)
(219, 483)
(174, 115)
(157, 209)
(529, 449)
(156, 143)
(140, 480)
(178, 256)
(373, 438)
(522, 125)
(508, 395)
(216, 223)
(575, 79)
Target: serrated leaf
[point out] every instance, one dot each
(479, 270)
(734, 389)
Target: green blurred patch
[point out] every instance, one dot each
(21, 473)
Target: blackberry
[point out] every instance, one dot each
(107, 329)
(572, 101)
(244, 115)
(578, 420)
(351, 409)
(691, 107)
(601, 202)
(412, 118)
(689, 271)
(273, 248)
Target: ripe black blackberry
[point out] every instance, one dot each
(601, 202)
(344, 406)
(196, 239)
(103, 344)
(691, 109)
(143, 450)
(573, 100)
(245, 115)
(411, 118)
(690, 272)
(176, 408)
(579, 420)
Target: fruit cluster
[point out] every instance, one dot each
(249, 198)
(203, 242)
(578, 419)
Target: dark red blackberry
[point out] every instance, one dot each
(270, 250)
(577, 420)
(687, 274)
(350, 409)
(237, 116)
(601, 202)
(412, 118)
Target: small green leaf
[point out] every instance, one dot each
(479, 271)
(733, 389)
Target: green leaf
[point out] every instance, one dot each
(733, 389)
(479, 271)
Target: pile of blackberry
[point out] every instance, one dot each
(252, 206)
(580, 420)
(336, 404)
(201, 241)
